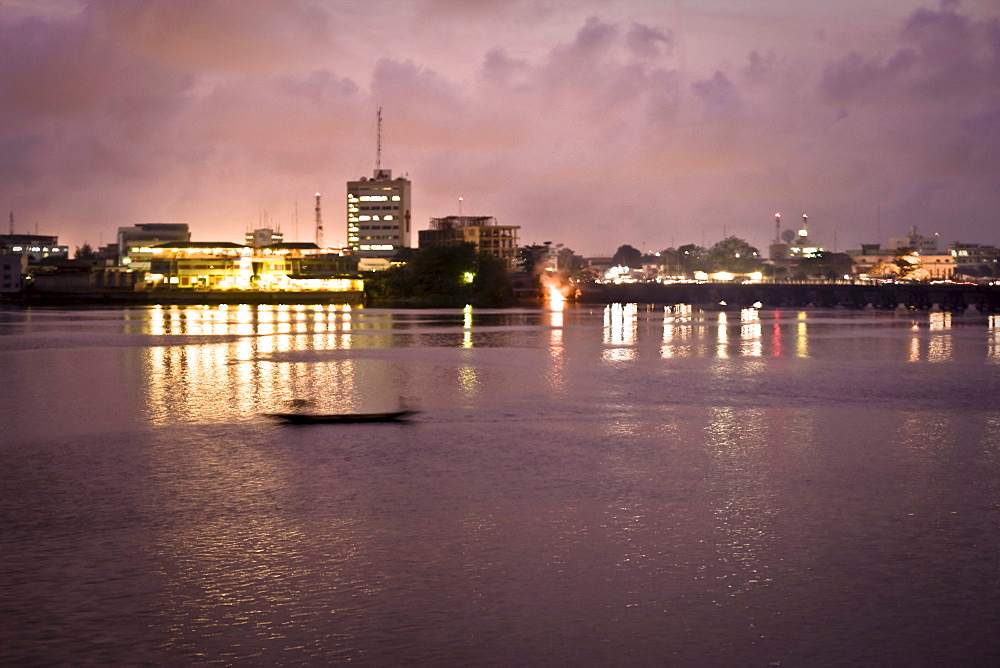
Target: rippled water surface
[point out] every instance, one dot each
(595, 486)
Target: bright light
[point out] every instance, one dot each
(723, 276)
(468, 277)
(555, 291)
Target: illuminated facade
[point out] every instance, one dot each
(378, 215)
(229, 266)
(500, 241)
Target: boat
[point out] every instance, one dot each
(342, 418)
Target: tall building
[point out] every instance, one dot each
(378, 215)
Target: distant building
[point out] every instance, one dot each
(85, 276)
(35, 247)
(500, 241)
(147, 235)
(378, 215)
(914, 242)
(264, 237)
(12, 268)
(975, 259)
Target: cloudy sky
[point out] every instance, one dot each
(592, 123)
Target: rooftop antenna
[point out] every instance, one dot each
(378, 143)
(319, 224)
(777, 228)
(12, 222)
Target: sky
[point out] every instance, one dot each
(591, 123)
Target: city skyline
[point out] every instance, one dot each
(594, 124)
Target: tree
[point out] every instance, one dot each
(84, 252)
(826, 264)
(444, 274)
(530, 258)
(734, 255)
(627, 256)
(691, 258)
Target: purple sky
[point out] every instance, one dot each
(592, 123)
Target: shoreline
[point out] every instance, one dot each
(179, 298)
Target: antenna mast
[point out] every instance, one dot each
(319, 224)
(378, 144)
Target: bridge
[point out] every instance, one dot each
(946, 296)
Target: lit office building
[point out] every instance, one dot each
(378, 215)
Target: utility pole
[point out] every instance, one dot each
(319, 224)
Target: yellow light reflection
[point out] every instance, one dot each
(233, 370)
(555, 371)
(914, 347)
(467, 326)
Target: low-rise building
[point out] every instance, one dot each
(12, 269)
(224, 265)
(975, 260)
(85, 276)
(35, 247)
(499, 241)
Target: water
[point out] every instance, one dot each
(595, 486)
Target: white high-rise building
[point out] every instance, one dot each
(378, 215)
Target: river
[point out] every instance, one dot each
(619, 485)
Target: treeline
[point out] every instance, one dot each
(442, 276)
(736, 256)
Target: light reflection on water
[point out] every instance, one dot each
(592, 485)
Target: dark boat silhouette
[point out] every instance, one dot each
(342, 418)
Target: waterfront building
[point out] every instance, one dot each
(222, 265)
(931, 266)
(35, 247)
(499, 241)
(378, 215)
(147, 235)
